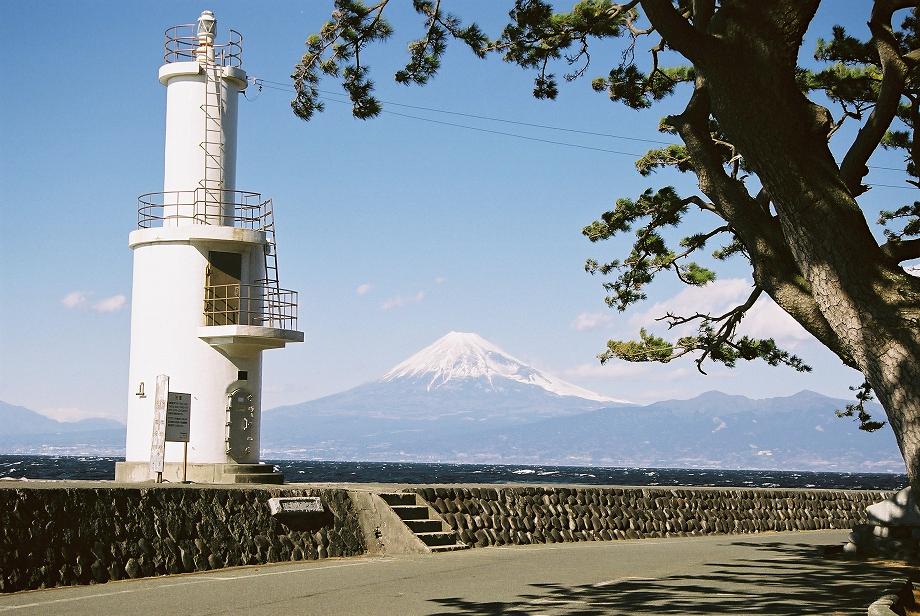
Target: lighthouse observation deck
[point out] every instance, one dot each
(184, 44)
(204, 206)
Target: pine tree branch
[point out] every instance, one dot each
(901, 250)
(680, 34)
(674, 320)
(894, 76)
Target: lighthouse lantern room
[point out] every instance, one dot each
(206, 299)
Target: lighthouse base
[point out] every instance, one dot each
(138, 472)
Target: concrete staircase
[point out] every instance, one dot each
(251, 473)
(423, 521)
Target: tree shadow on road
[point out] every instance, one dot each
(784, 579)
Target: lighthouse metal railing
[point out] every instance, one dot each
(247, 304)
(183, 45)
(203, 206)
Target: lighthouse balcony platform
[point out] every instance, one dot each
(240, 209)
(243, 316)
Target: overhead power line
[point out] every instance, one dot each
(488, 118)
(328, 95)
(474, 128)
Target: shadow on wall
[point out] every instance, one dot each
(785, 579)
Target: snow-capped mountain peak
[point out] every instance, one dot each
(460, 356)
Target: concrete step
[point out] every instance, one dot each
(449, 548)
(423, 526)
(437, 538)
(398, 498)
(272, 478)
(411, 512)
(232, 469)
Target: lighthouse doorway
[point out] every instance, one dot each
(222, 289)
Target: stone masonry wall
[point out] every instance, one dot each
(71, 534)
(485, 516)
(76, 535)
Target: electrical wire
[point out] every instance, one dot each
(477, 129)
(488, 118)
(328, 95)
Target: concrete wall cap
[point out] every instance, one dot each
(190, 234)
(177, 69)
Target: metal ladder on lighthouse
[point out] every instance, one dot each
(274, 311)
(212, 185)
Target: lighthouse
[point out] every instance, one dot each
(206, 300)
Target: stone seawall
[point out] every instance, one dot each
(65, 533)
(484, 516)
(59, 536)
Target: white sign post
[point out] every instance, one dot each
(178, 411)
(158, 437)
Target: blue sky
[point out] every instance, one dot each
(395, 231)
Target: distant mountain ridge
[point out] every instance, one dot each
(715, 401)
(25, 431)
(463, 399)
(713, 430)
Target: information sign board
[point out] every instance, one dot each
(178, 409)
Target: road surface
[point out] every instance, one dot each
(771, 573)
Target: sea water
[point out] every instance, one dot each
(22, 467)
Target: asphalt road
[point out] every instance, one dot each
(774, 573)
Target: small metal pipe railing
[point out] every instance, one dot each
(203, 206)
(182, 45)
(250, 304)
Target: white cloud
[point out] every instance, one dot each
(622, 369)
(110, 304)
(764, 320)
(608, 370)
(587, 321)
(79, 299)
(819, 428)
(364, 289)
(721, 424)
(399, 301)
(72, 413)
(74, 299)
(440, 280)
(713, 298)
(767, 320)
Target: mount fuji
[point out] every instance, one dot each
(461, 360)
(459, 384)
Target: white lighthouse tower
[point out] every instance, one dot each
(206, 300)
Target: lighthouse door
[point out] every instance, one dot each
(241, 417)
